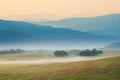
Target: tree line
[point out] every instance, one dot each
(12, 51)
(86, 52)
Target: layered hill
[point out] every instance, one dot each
(18, 32)
(101, 25)
(113, 46)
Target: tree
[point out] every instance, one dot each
(60, 53)
(19, 50)
(88, 52)
(12, 51)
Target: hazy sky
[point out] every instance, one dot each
(55, 9)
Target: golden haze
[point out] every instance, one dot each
(19, 9)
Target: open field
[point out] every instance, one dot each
(102, 69)
(38, 67)
(38, 58)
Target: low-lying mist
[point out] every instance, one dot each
(22, 56)
(53, 46)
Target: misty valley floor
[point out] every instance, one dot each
(100, 69)
(38, 58)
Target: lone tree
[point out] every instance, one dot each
(60, 53)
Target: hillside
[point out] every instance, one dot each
(113, 46)
(97, 25)
(18, 32)
(103, 69)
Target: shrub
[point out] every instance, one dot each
(60, 53)
(12, 51)
(88, 52)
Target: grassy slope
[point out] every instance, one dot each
(104, 69)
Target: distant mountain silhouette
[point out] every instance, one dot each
(19, 32)
(108, 25)
(113, 46)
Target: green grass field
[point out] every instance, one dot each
(102, 69)
(36, 56)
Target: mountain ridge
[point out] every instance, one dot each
(25, 33)
(97, 24)
(113, 46)
(41, 32)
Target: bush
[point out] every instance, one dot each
(88, 52)
(60, 53)
(12, 51)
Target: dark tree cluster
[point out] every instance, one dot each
(88, 52)
(60, 53)
(12, 51)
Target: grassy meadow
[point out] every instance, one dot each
(49, 55)
(100, 69)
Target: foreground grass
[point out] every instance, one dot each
(103, 69)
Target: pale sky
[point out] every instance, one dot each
(56, 9)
